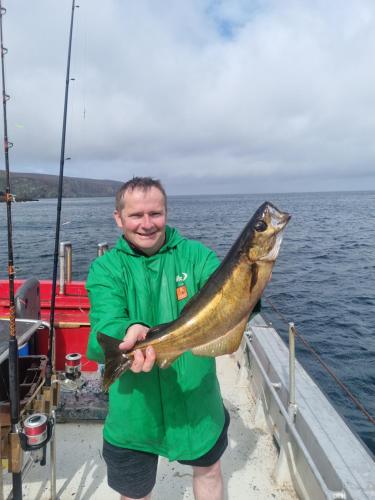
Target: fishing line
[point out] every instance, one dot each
(329, 370)
(84, 66)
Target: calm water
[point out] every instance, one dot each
(324, 279)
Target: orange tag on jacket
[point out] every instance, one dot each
(181, 292)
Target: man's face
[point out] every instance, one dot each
(143, 219)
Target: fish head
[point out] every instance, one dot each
(265, 232)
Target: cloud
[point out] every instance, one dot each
(258, 91)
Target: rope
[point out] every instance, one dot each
(329, 370)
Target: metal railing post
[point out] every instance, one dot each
(68, 261)
(62, 267)
(53, 458)
(102, 248)
(292, 406)
(65, 260)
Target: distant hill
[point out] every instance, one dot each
(27, 186)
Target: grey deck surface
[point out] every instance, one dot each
(247, 464)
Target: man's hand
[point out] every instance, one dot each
(141, 363)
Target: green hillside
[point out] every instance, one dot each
(27, 186)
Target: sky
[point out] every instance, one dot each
(211, 97)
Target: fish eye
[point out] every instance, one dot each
(260, 226)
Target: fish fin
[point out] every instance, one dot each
(254, 275)
(116, 361)
(226, 344)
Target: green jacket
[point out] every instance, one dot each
(176, 412)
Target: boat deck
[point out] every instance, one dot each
(247, 464)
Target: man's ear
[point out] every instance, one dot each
(117, 217)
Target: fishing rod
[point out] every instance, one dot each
(14, 393)
(59, 202)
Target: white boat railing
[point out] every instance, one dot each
(318, 452)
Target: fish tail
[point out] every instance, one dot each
(116, 361)
(115, 366)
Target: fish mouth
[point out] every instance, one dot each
(274, 252)
(278, 220)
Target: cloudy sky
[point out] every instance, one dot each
(210, 96)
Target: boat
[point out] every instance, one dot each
(286, 439)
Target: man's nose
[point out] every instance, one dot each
(146, 221)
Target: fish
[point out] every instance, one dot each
(212, 323)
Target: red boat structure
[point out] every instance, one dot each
(68, 396)
(72, 327)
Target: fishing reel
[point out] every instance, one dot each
(73, 366)
(72, 377)
(36, 432)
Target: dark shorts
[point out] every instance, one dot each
(132, 473)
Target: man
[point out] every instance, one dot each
(178, 412)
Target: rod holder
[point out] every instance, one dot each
(292, 407)
(65, 260)
(68, 262)
(102, 248)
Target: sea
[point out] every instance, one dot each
(323, 280)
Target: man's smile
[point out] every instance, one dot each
(147, 235)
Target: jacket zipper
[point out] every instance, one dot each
(149, 290)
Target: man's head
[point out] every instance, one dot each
(141, 213)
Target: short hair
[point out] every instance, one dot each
(143, 183)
